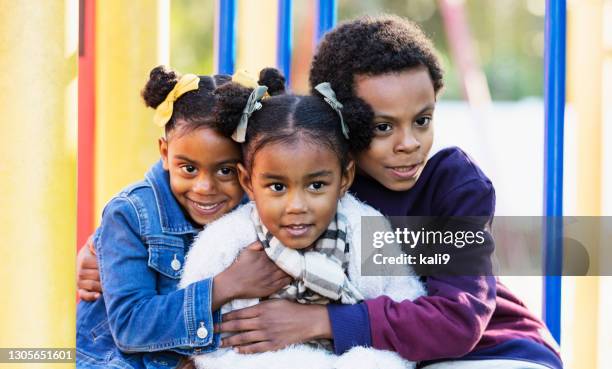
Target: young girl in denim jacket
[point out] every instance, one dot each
(143, 321)
(296, 168)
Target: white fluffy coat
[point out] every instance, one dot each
(219, 244)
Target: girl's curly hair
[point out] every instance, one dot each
(194, 109)
(283, 118)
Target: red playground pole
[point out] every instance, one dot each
(86, 135)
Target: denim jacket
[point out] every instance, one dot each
(143, 321)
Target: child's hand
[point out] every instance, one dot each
(274, 324)
(88, 276)
(252, 275)
(255, 275)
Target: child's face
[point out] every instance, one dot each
(203, 174)
(296, 187)
(403, 105)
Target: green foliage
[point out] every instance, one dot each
(191, 35)
(507, 34)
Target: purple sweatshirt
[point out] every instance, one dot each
(461, 317)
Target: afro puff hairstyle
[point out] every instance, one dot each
(194, 109)
(370, 46)
(283, 118)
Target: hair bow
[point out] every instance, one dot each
(243, 78)
(163, 112)
(324, 88)
(253, 104)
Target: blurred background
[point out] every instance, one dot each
(508, 38)
(492, 107)
(79, 66)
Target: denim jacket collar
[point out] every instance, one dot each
(171, 215)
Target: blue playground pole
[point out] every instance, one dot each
(554, 96)
(285, 33)
(327, 16)
(226, 34)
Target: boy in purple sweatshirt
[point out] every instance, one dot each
(385, 71)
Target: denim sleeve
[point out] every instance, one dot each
(141, 319)
(350, 326)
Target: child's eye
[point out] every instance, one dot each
(225, 171)
(423, 121)
(383, 127)
(277, 187)
(189, 169)
(316, 186)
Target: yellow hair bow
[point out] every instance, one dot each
(163, 112)
(243, 78)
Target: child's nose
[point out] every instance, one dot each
(204, 186)
(296, 203)
(407, 142)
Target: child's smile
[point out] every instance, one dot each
(296, 186)
(203, 174)
(206, 208)
(403, 105)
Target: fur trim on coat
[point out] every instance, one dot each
(219, 244)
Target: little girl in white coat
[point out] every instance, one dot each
(296, 171)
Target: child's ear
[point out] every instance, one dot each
(163, 151)
(347, 177)
(245, 181)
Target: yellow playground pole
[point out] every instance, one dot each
(256, 37)
(38, 59)
(132, 37)
(605, 282)
(585, 67)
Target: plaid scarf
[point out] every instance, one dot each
(320, 273)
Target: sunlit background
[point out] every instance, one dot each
(492, 107)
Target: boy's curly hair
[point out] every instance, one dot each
(371, 46)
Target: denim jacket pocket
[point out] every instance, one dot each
(99, 330)
(94, 341)
(166, 255)
(161, 360)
